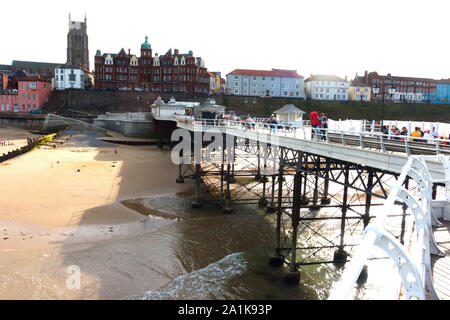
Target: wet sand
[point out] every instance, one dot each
(66, 199)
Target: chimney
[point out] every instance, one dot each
(129, 51)
(176, 51)
(345, 78)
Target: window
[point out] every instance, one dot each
(236, 84)
(236, 91)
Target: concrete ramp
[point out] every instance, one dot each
(54, 123)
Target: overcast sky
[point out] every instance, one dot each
(401, 37)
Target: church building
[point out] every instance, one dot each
(77, 44)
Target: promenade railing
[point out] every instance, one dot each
(363, 139)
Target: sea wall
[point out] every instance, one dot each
(135, 125)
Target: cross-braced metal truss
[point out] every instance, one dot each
(322, 205)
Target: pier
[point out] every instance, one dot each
(330, 179)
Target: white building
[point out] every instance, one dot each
(69, 77)
(273, 83)
(326, 87)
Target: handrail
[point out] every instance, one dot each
(323, 134)
(415, 270)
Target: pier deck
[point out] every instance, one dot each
(441, 266)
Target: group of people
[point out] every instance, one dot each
(319, 124)
(5, 143)
(418, 135)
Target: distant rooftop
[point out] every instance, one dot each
(324, 77)
(267, 73)
(35, 65)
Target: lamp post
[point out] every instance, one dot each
(376, 91)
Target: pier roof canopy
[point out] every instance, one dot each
(289, 108)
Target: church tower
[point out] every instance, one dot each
(77, 44)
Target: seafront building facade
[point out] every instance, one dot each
(442, 92)
(71, 77)
(358, 90)
(407, 89)
(267, 83)
(327, 87)
(32, 93)
(171, 72)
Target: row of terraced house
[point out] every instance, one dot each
(370, 87)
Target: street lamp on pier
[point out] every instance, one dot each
(376, 91)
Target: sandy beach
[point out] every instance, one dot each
(66, 199)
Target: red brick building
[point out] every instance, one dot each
(171, 72)
(407, 89)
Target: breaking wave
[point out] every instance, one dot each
(204, 284)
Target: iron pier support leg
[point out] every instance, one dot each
(231, 177)
(227, 207)
(263, 201)
(303, 199)
(160, 144)
(340, 256)
(222, 172)
(316, 185)
(294, 274)
(180, 178)
(277, 261)
(366, 218)
(258, 173)
(325, 199)
(271, 207)
(196, 203)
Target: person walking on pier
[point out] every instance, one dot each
(272, 123)
(323, 126)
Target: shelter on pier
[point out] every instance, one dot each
(209, 110)
(290, 114)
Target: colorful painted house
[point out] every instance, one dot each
(31, 94)
(442, 94)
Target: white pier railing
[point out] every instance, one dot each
(414, 266)
(362, 139)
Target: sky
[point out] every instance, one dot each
(401, 37)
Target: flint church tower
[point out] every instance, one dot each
(77, 44)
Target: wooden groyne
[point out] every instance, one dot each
(32, 144)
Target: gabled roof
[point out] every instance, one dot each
(33, 64)
(267, 73)
(324, 77)
(358, 82)
(66, 66)
(34, 78)
(391, 77)
(5, 67)
(289, 108)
